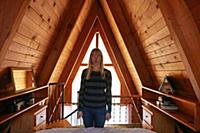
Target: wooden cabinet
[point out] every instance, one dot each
(33, 113)
(155, 120)
(188, 112)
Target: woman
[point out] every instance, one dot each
(95, 92)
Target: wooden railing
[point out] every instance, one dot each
(134, 100)
(130, 117)
(55, 109)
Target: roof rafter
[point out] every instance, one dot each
(129, 41)
(117, 53)
(66, 26)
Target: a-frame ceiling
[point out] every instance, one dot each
(97, 11)
(148, 38)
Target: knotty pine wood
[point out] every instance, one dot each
(68, 21)
(160, 34)
(162, 42)
(169, 49)
(185, 32)
(11, 21)
(130, 44)
(157, 26)
(71, 42)
(157, 42)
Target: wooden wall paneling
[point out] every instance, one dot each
(38, 6)
(162, 42)
(171, 58)
(134, 5)
(14, 14)
(170, 49)
(149, 12)
(32, 34)
(157, 26)
(160, 34)
(186, 34)
(55, 7)
(36, 18)
(25, 50)
(68, 21)
(117, 53)
(69, 45)
(29, 23)
(58, 6)
(145, 5)
(53, 18)
(177, 66)
(130, 43)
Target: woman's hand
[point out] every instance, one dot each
(108, 116)
(79, 114)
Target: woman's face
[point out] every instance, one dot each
(96, 58)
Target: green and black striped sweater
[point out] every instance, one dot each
(95, 92)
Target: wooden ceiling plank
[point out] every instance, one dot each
(66, 26)
(130, 42)
(11, 16)
(187, 37)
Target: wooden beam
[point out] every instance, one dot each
(118, 56)
(186, 35)
(66, 26)
(77, 55)
(130, 42)
(124, 88)
(11, 14)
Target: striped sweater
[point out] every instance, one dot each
(96, 91)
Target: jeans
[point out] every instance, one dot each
(94, 117)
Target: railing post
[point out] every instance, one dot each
(63, 95)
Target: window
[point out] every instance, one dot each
(97, 42)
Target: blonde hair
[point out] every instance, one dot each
(90, 65)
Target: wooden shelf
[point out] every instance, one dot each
(176, 97)
(187, 108)
(7, 117)
(13, 94)
(177, 115)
